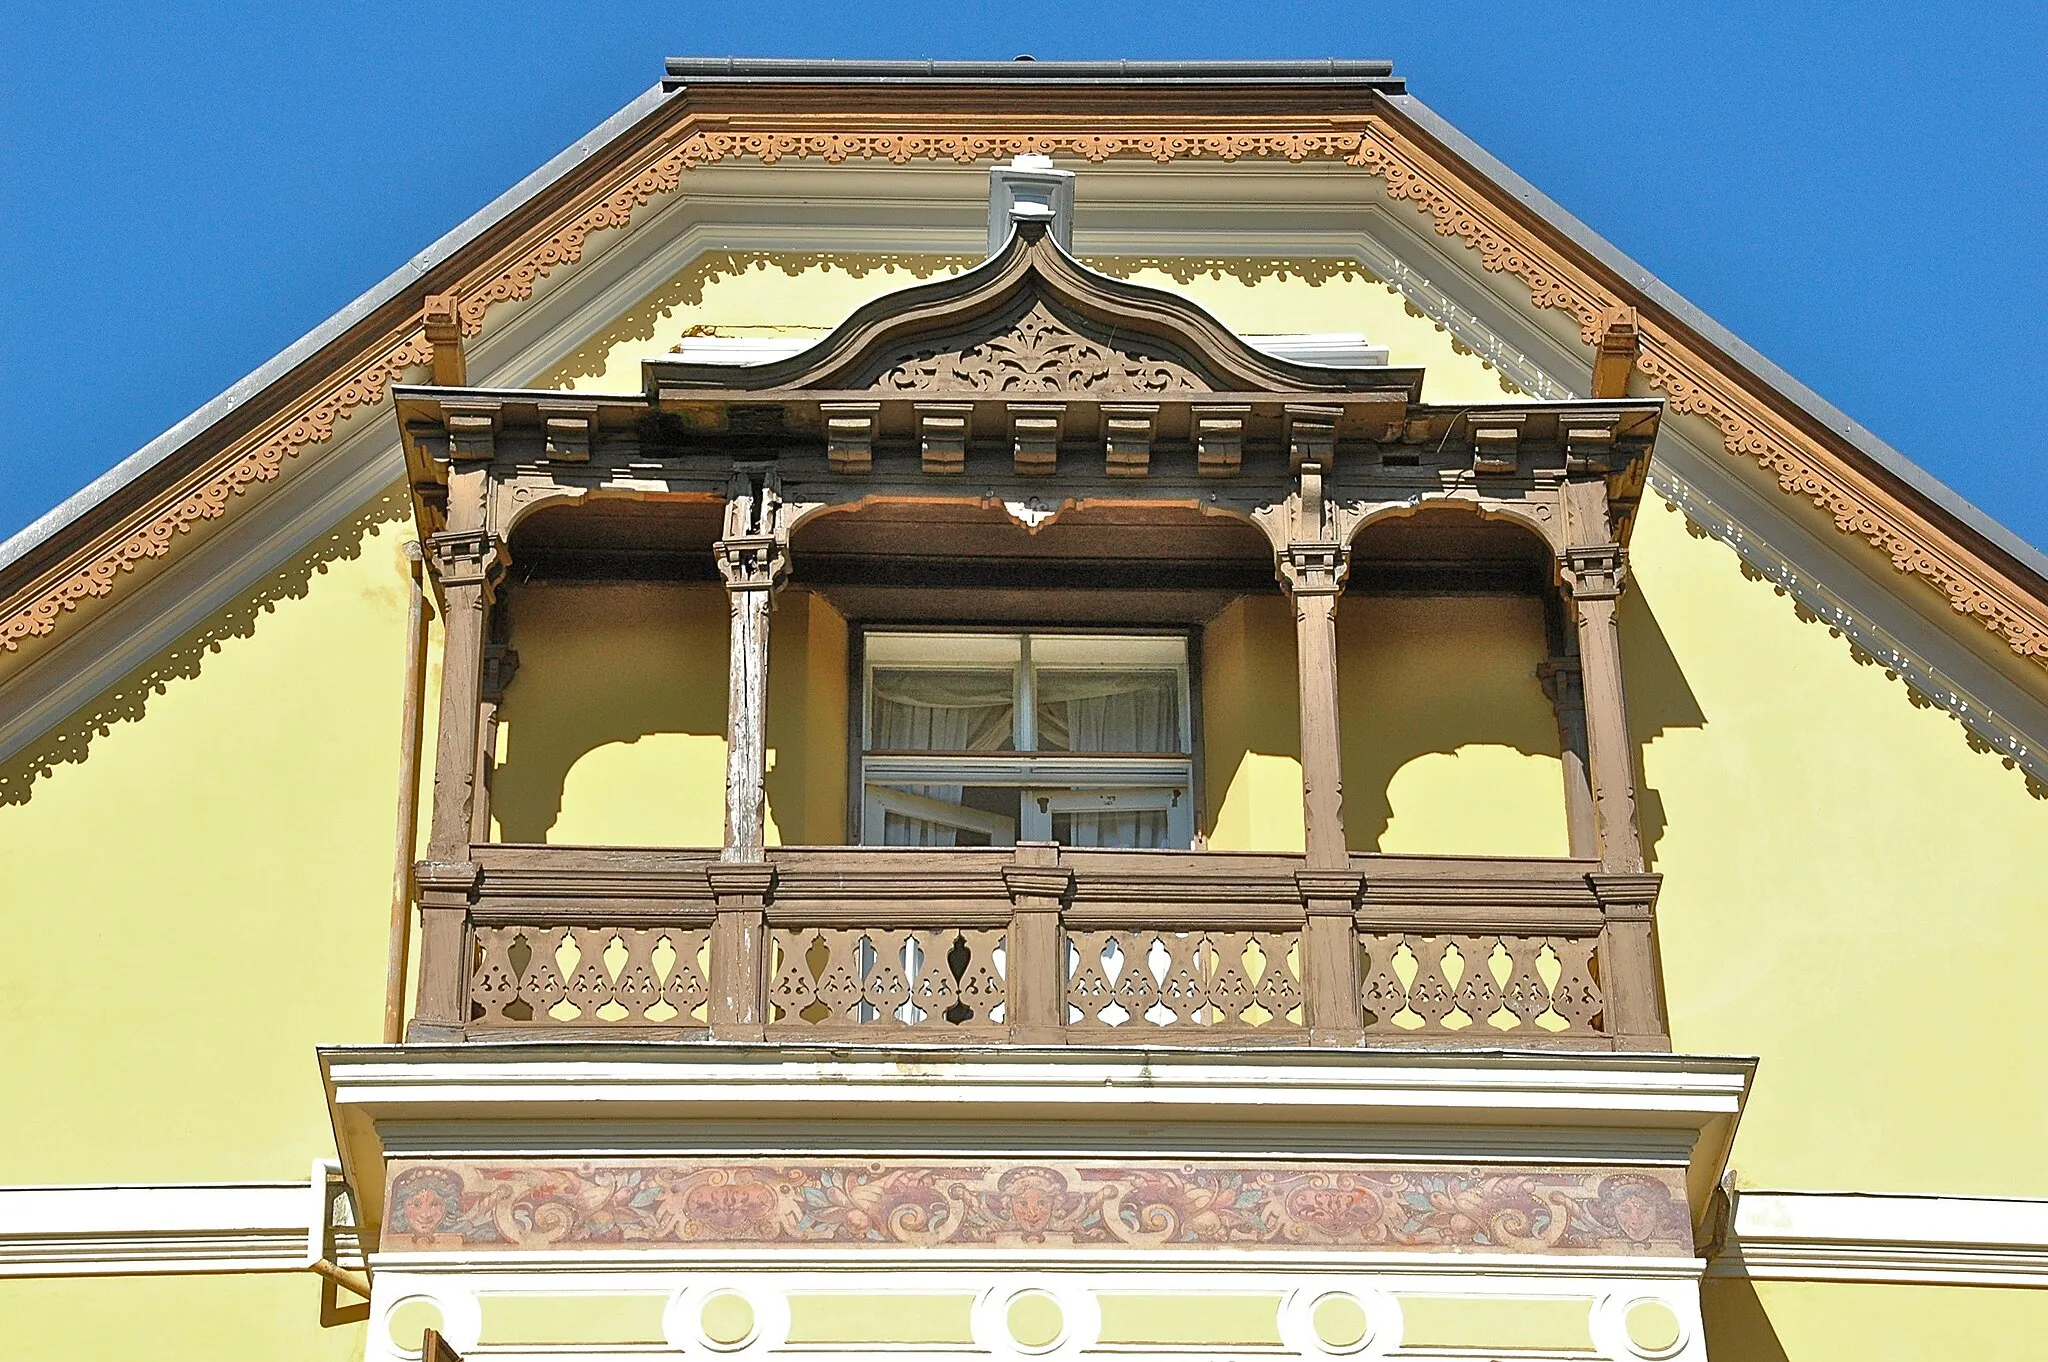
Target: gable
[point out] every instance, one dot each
(1392, 157)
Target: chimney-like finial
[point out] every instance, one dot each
(1029, 187)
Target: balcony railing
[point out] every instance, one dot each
(1040, 945)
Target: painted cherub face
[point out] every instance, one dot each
(1637, 1215)
(425, 1210)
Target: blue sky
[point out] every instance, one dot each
(1857, 190)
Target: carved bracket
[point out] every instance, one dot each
(850, 435)
(942, 435)
(467, 558)
(1219, 441)
(1035, 437)
(1594, 572)
(1127, 439)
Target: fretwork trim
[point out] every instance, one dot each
(1381, 143)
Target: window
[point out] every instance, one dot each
(991, 739)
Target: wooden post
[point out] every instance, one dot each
(739, 950)
(1594, 575)
(753, 558)
(1562, 683)
(500, 665)
(1312, 563)
(1036, 1003)
(467, 561)
(1332, 1010)
(1628, 959)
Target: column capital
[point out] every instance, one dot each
(1313, 569)
(462, 558)
(1594, 572)
(752, 562)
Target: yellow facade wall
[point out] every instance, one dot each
(613, 731)
(1251, 731)
(1822, 1321)
(1850, 891)
(204, 899)
(171, 1319)
(1450, 745)
(768, 294)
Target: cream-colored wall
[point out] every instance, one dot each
(204, 899)
(613, 731)
(1251, 731)
(1850, 891)
(1825, 1321)
(1450, 745)
(171, 1319)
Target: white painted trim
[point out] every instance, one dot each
(176, 1228)
(856, 1263)
(1872, 1237)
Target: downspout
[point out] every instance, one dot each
(417, 614)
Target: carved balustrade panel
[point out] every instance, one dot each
(866, 980)
(1133, 983)
(567, 976)
(1479, 989)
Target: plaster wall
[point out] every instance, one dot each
(1813, 1321)
(198, 904)
(613, 732)
(171, 1319)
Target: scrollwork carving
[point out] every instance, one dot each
(1040, 353)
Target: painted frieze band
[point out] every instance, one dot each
(468, 1205)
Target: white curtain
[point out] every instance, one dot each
(1104, 710)
(1138, 828)
(1108, 711)
(914, 710)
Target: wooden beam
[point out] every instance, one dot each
(1614, 357)
(441, 319)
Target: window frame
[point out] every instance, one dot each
(1046, 777)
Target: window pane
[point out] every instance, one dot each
(1136, 828)
(1104, 710)
(933, 710)
(946, 815)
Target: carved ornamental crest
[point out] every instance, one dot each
(1039, 353)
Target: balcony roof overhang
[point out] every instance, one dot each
(571, 1098)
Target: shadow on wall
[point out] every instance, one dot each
(69, 742)
(605, 666)
(1423, 676)
(1737, 1326)
(1659, 699)
(1450, 676)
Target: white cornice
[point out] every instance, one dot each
(1866, 1237)
(204, 1227)
(569, 1097)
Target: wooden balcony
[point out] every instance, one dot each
(1037, 945)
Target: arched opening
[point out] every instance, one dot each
(1039, 671)
(612, 731)
(1451, 744)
